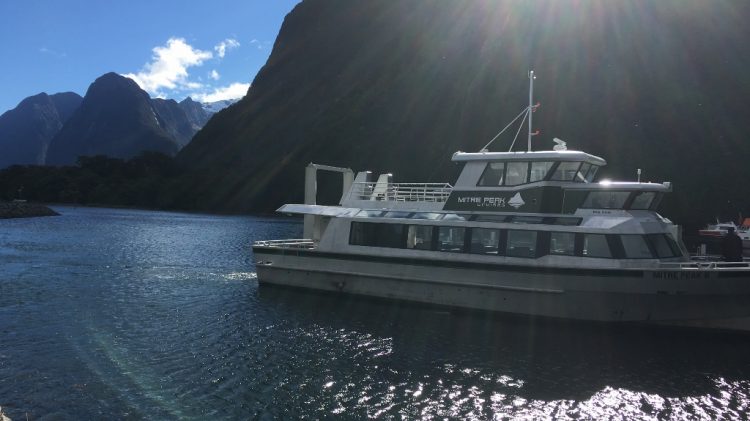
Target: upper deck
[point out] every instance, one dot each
(557, 182)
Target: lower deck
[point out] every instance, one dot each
(672, 292)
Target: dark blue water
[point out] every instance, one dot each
(121, 314)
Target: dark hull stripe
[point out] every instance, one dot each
(634, 273)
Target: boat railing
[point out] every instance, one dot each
(705, 265)
(301, 243)
(400, 192)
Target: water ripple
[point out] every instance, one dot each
(119, 314)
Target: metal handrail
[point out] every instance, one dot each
(705, 265)
(400, 192)
(300, 243)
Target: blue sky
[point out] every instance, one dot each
(207, 50)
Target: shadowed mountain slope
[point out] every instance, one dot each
(399, 86)
(26, 131)
(117, 119)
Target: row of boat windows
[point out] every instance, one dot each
(516, 219)
(513, 243)
(514, 173)
(619, 200)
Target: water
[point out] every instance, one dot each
(121, 314)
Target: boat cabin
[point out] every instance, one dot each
(544, 182)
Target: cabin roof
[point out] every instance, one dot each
(577, 156)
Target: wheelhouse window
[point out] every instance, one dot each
(451, 239)
(484, 241)
(377, 235)
(566, 171)
(419, 237)
(636, 247)
(493, 174)
(581, 175)
(521, 243)
(516, 173)
(664, 246)
(592, 173)
(643, 200)
(562, 243)
(605, 200)
(539, 170)
(595, 245)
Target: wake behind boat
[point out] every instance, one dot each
(520, 232)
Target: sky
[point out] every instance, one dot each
(173, 49)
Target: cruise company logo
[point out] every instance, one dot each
(516, 201)
(496, 202)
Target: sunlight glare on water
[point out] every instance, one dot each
(122, 314)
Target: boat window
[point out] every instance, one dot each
(426, 215)
(451, 239)
(377, 235)
(595, 245)
(592, 173)
(539, 170)
(419, 237)
(643, 200)
(396, 214)
(484, 241)
(455, 217)
(565, 221)
(562, 243)
(605, 200)
(516, 173)
(581, 175)
(566, 171)
(636, 247)
(370, 214)
(521, 243)
(490, 218)
(493, 174)
(518, 219)
(673, 244)
(661, 246)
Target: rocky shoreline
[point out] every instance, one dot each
(24, 210)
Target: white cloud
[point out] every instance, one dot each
(58, 54)
(213, 74)
(259, 44)
(169, 67)
(234, 91)
(222, 47)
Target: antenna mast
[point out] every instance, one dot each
(531, 104)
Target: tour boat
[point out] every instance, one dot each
(526, 232)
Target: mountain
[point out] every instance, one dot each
(118, 119)
(399, 86)
(25, 131)
(180, 120)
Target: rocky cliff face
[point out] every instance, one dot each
(400, 86)
(25, 131)
(116, 118)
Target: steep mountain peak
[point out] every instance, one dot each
(116, 118)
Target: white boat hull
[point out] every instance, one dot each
(595, 295)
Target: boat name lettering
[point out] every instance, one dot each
(680, 275)
(482, 202)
